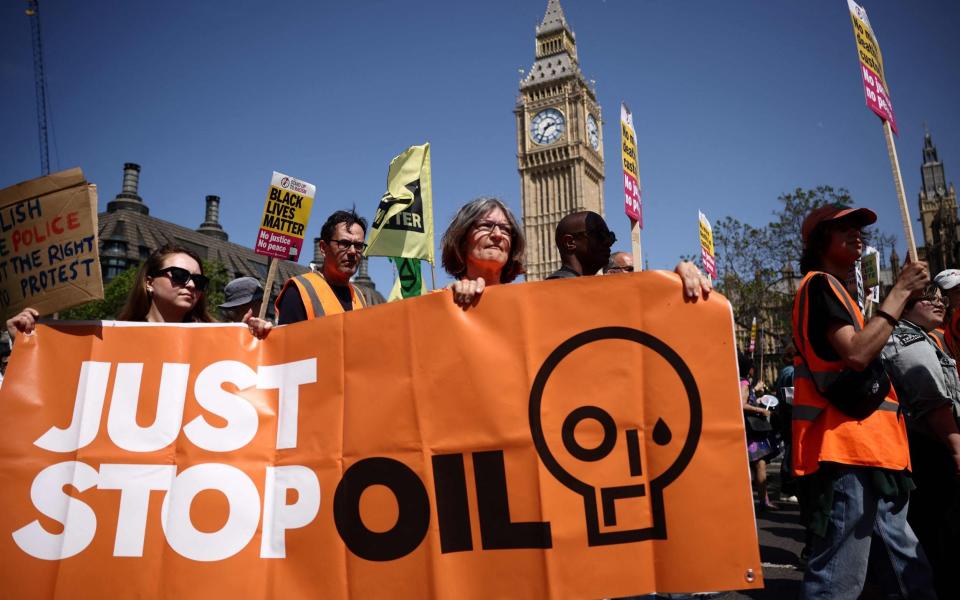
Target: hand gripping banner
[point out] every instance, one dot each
(577, 438)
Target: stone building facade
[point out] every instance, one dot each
(559, 141)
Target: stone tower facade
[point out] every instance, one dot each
(559, 142)
(938, 213)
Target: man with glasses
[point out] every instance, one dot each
(328, 291)
(928, 389)
(620, 262)
(584, 242)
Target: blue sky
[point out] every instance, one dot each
(734, 102)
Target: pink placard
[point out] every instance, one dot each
(709, 265)
(632, 204)
(876, 96)
(278, 245)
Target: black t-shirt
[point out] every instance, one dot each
(824, 308)
(292, 309)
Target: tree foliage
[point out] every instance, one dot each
(115, 296)
(116, 292)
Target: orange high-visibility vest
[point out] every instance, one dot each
(823, 433)
(317, 296)
(939, 338)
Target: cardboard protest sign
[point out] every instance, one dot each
(631, 169)
(706, 247)
(285, 215)
(870, 267)
(875, 88)
(49, 258)
(386, 452)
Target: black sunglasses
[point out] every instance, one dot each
(180, 276)
(344, 245)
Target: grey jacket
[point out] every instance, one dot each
(924, 377)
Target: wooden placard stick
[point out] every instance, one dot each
(901, 195)
(268, 288)
(635, 242)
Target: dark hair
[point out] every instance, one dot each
(454, 239)
(928, 293)
(139, 301)
(814, 248)
(818, 242)
(348, 217)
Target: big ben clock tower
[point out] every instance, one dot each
(559, 142)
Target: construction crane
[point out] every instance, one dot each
(33, 12)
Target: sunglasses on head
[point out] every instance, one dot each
(180, 276)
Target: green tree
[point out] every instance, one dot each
(116, 292)
(219, 278)
(115, 296)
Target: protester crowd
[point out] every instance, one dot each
(865, 416)
(866, 413)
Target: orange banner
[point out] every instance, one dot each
(576, 438)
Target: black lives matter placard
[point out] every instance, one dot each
(48, 244)
(285, 217)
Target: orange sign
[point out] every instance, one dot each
(577, 438)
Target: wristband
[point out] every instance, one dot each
(886, 317)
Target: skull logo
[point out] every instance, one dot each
(621, 436)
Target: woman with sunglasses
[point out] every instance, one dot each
(170, 288)
(482, 246)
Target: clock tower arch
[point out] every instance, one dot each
(559, 142)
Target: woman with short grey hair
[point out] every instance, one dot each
(482, 246)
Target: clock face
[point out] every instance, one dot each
(547, 126)
(593, 132)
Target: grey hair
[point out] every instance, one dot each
(454, 239)
(611, 264)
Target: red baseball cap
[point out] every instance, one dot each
(832, 212)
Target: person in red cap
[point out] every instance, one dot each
(850, 449)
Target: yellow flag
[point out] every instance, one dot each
(403, 225)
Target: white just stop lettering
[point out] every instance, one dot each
(136, 482)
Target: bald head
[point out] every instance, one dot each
(583, 240)
(570, 224)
